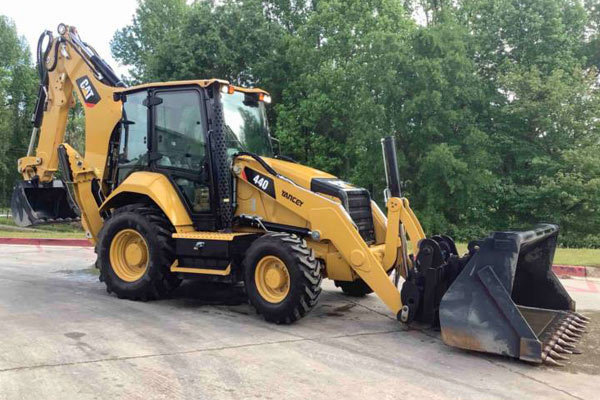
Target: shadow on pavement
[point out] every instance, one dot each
(196, 292)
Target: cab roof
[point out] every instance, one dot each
(200, 82)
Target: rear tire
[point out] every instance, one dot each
(357, 288)
(282, 277)
(150, 232)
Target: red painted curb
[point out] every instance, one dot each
(570, 270)
(559, 270)
(47, 242)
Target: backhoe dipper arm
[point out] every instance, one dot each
(67, 65)
(70, 64)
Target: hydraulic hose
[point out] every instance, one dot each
(40, 103)
(259, 159)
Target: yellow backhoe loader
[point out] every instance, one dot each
(178, 180)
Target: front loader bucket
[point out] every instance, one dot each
(39, 203)
(508, 301)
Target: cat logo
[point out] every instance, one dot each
(88, 91)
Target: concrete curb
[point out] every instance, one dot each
(570, 270)
(46, 242)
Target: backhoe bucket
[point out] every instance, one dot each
(506, 300)
(39, 203)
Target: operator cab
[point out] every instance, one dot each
(169, 129)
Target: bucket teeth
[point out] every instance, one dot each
(551, 361)
(568, 339)
(572, 334)
(575, 350)
(550, 351)
(575, 329)
(555, 355)
(564, 344)
(560, 332)
(565, 337)
(583, 317)
(559, 349)
(578, 325)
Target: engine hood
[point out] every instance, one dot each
(300, 174)
(357, 201)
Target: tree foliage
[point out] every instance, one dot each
(17, 95)
(494, 103)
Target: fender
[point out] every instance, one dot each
(159, 189)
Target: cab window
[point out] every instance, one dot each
(179, 130)
(180, 144)
(133, 146)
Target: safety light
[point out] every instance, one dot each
(264, 97)
(224, 88)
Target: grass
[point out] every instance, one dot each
(58, 231)
(43, 234)
(586, 257)
(66, 227)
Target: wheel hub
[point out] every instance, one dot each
(272, 279)
(129, 255)
(134, 253)
(275, 278)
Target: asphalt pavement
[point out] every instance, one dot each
(63, 337)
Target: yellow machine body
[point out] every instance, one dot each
(336, 241)
(276, 225)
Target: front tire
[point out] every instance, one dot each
(282, 277)
(135, 251)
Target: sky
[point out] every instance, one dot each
(96, 20)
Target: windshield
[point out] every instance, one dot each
(245, 124)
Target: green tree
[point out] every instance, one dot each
(494, 104)
(17, 96)
(155, 24)
(536, 53)
(592, 46)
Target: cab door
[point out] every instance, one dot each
(133, 144)
(178, 148)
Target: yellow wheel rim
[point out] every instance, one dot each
(129, 255)
(272, 279)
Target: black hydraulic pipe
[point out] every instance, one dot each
(107, 73)
(38, 112)
(390, 160)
